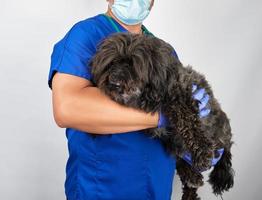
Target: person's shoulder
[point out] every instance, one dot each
(88, 25)
(83, 32)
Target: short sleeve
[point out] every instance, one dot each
(72, 54)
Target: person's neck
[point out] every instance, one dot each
(131, 28)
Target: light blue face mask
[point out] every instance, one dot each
(131, 12)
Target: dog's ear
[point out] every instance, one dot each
(164, 65)
(104, 56)
(107, 50)
(155, 88)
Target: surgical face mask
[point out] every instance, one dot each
(131, 12)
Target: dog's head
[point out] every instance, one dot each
(132, 68)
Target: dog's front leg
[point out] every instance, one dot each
(202, 151)
(187, 125)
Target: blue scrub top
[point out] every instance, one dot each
(125, 166)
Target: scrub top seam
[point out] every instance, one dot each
(77, 185)
(147, 178)
(62, 55)
(57, 66)
(64, 47)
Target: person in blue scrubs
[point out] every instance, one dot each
(126, 166)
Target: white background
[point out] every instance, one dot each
(220, 38)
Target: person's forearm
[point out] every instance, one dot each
(92, 111)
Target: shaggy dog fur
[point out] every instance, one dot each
(142, 72)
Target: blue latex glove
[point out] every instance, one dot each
(162, 121)
(187, 157)
(198, 95)
(203, 97)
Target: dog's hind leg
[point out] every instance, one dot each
(222, 176)
(191, 180)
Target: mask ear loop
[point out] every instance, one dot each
(110, 5)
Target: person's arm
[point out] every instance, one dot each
(77, 104)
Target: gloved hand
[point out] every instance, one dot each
(200, 95)
(203, 97)
(187, 157)
(162, 121)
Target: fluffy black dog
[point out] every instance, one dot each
(141, 72)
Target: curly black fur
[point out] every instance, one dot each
(142, 72)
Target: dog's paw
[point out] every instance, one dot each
(202, 159)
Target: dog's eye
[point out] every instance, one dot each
(113, 79)
(115, 84)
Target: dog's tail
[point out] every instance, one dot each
(222, 176)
